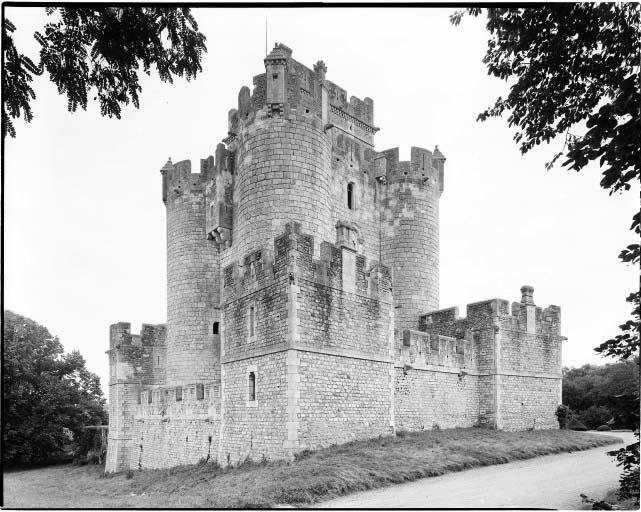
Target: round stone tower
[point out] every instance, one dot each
(282, 162)
(192, 261)
(410, 232)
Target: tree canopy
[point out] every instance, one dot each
(48, 395)
(602, 394)
(99, 51)
(574, 69)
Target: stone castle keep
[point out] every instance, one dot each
(302, 288)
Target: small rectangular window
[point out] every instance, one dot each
(252, 319)
(275, 76)
(215, 328)
(200, 391)
(179, 394)
(150, 397)
(252, 386)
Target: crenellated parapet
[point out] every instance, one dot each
(289, 88)
(138, 358)
(425, 168)
(419, 349)
(178, 180)
(525, 338)
(340, 267)
(523, 316)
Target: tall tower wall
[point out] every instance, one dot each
(410, 231)
(282, 175)
(192, 279)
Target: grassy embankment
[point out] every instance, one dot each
(309, 479)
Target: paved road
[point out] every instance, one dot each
(552, 481)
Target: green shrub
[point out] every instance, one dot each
(563, 415)
(575, 424)
(594, 416)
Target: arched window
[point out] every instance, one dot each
(350, 196)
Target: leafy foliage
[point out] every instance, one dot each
(598, 394)
(17, 76)
(628, 459)
(563, 415)
(575, 63)
(48, 396)
(99, 51)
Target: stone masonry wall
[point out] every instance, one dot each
(192, 280)
(426, 399)
(254, 429)
(529, 402)
(176, 427)
(409, 232)
(342, 399)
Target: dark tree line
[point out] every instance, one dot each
(48, 396)
(603, 395)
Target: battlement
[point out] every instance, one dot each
(120, 335)
(425, 168)
(524, 316)
(177, 178)
(194, 399)
(289, 88)
(339, 266)
(420, 349)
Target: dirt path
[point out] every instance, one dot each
(553, 481)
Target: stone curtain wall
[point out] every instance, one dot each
(342, 399)
(529, 402)
(170, 432)
(426, 399)
(518, 358)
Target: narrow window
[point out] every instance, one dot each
(150, 397)
(215, 328)
(158, 360)
(211, 210)
(179, 394)
(200, 391)
(252, 386)
(350, 196)
(252, 270)
(252, 319)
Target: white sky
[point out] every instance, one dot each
(85, 225)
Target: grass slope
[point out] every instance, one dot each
(314, 476)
